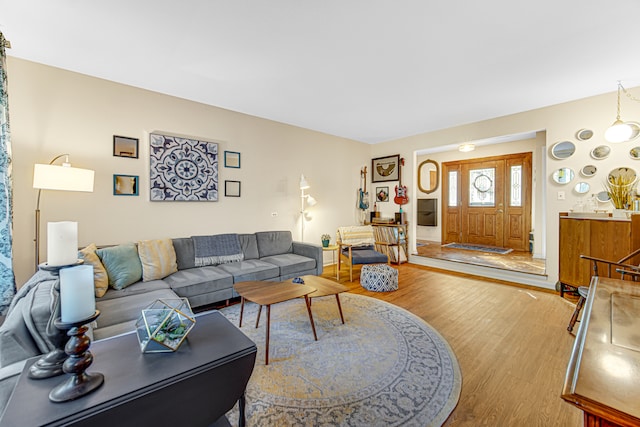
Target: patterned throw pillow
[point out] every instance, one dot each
(100, 278)
(158, 258)
(122, 264)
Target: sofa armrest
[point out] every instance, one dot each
(312, 251)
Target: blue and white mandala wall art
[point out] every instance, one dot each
(183, 169)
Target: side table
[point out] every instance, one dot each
(334, 251)
(195, 386)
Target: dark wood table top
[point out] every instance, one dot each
(267, 293)
(131, 375)
(323, 286)
(603, 375)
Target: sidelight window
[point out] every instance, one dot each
(516, 186)
(453, 188)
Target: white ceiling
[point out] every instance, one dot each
(368, 70)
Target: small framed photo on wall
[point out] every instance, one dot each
(232, 188)
(232, 159)
(124, 146)
(382, 194)
(125, 185)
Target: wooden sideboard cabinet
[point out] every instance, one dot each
(607, 238)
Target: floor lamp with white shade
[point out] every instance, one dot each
(305, 200)
(58, 177)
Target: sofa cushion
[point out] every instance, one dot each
(185, 253)
(100, 278)
(158, 258)
(200, 280)
(249, 246)
(252, 269)
(134, 289)
(122, 264)
(119, 310)
(274, 242)
(365, 255)
(291, 263)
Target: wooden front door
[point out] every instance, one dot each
(488, 201)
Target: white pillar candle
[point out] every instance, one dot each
(62, 243)
(77, 297)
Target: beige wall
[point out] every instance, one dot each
(55, 111)
(561, 122)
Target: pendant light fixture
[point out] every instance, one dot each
(619, 131)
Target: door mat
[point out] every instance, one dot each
(480, 248)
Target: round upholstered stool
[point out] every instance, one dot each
(379, 277)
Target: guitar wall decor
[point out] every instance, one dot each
(363, 195)
(401, 190)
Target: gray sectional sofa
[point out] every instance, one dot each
(268, 255)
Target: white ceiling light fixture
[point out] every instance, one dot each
(465, 148)
(619, 131)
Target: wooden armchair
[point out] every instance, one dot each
(356, 245)
(621, 266)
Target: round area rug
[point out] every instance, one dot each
(383, 367)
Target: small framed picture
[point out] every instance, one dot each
(124, 146)
(125, 185)
(382, 194)
(385, 168)
(232, 159)
(232, 188)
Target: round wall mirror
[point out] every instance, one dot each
(584, 134)
(563, 175)
(428, 176)
(601, 152)
(603, 197)
(582, 188)
(563, 150)
(588, 171)
(622, 176)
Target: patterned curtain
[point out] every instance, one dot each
(7, 279)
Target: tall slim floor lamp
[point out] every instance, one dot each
(58, 177)
(305, 200)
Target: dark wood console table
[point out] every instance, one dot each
(603, 375)
(193, 386)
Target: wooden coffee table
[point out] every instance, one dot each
(267, 293)
(324, 287)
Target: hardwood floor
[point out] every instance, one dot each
(511, 343)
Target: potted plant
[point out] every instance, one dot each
(620, 190)
(325, 240)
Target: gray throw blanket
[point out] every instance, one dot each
(217, 249)
(39, 323)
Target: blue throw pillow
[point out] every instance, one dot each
(122, 264)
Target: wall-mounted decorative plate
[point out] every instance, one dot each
(563, 150)
(601, 152)
(563, 175)
(634, 153)
(624, 174)
(584, 134)
(588, 171)
(582, 188)
(603, 197)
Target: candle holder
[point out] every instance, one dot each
(50, 364)
(80, 358)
